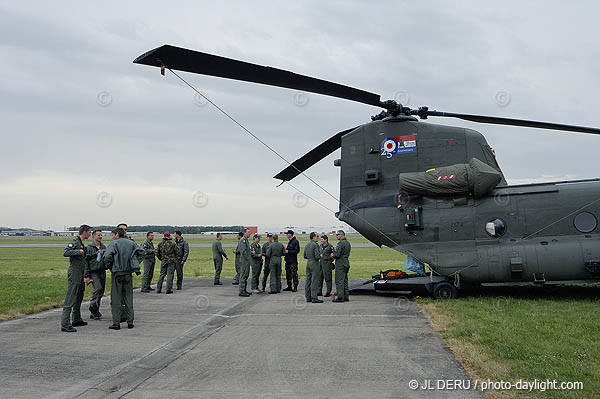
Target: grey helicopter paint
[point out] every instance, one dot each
(479, 231)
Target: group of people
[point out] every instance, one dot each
(320, 258)
(88, 265)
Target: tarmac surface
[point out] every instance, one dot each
(207, 342)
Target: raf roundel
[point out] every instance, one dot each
(389, 145)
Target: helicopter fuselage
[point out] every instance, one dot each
(514, 234)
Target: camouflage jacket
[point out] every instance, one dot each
(167, 250)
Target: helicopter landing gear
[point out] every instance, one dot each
(444, 290)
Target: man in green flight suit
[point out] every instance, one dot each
(218, 255)
(275, 251)
(312, 254)
(183, 250)
(326, 265)
(342, 265)
(96, 272)
(167, 254)
(149, 262)
(266, 268)
(76, 253)
(257, 262)
(245, 260)
(236, 251)
(122, 257)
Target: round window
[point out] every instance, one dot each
(585, 222)
(495, 227)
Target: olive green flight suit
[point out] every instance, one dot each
(122, 257)
(166, 252)
(326, 267)
(236, 278)
(75, 286)
(266, 268)
(312, 254)
(275, 251)
(342, 266)
(149, 263)
(245, 259)
(218, 254)
(257, 262)
(183, 249)
(95, 270)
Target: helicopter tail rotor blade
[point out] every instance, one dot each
(181, 59)
(313, 156)
(508, 121)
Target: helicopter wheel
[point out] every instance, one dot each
(444, 290)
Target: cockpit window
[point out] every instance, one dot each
(495, 228)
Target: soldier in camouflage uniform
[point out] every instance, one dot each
(183, 250)
(96, 272)
(342, 266)
(167, 254)
(275, 252)
(76, 253)
(326, 265)
(218, 254)
(236, 251)
(149, 262)
(266, 268)
(312, 254)
(257, 263)
(245, 260)
(122, 257)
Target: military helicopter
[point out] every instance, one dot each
(435, 192)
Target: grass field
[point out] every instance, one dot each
(525, 333)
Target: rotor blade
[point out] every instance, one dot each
(515, 122)
(197, 62)
(312, 157)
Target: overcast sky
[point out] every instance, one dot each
(90, 137)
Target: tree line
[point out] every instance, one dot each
(160, 229)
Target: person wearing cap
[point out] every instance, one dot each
(291, 262)
(245, 260)
(236, 251)
(76, 253)
(266, 268)
(312, 254)
(218, 254)
(183, 251)
(275, 251)
(167, 254)
(342, 265)
(257, 263)
(122, 258)
(326, 265)
(149, 262)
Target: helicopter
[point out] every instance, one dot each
(436, 192)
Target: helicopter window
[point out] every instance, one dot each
(495, 228)
(585, 222)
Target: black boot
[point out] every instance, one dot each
(289, 288)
